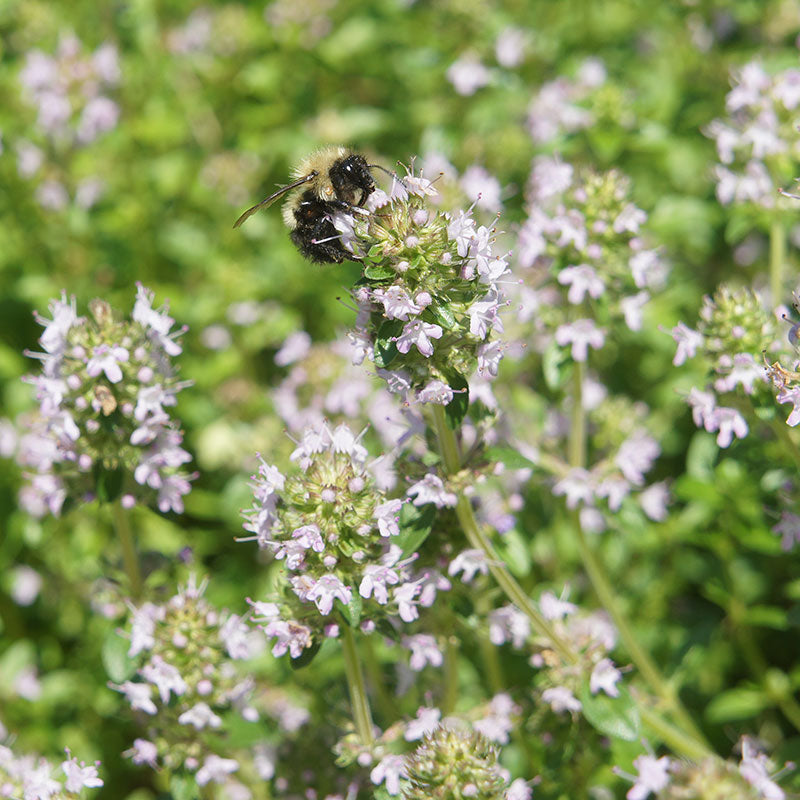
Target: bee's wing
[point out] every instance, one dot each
(268, 201)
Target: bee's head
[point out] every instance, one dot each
(350, 177)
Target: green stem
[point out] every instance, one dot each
(383, 701)
(672, 737)
(362, 717)
(602, 587)
(448, 446)
(130, 558)
(777, 257)
(450, 675)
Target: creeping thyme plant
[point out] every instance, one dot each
(504, 506)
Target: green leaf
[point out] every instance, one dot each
(378, 272)
(385, 346)
(513, 550)
(736, 704)
(766, 617)
(108, 483)
(616, 717)
(415, 526)
(442, 315)
(114, 655)
(456, 409)
(183, 787)
(552, 360)
(306, 657)
(351, 612)
(508, 456)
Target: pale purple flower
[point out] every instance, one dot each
(482, 188)
(215, 769)
(467, 75)
(294, 348)
(143, 752)
(730, 423)
(424, 650)
(427, 720)
(519, 790)
(498, 724)
(754, 769)
(653, 501)
(789, 529)
(582, 280)
(164, 676)
(561, 699)
(200, 716)
(791, 395)
(396, 303)
(553, 607)
(38, 783)
(405, 596)
(156, 323)
(470, 562)
(377, 577)
(431, 490)
(291, 636)
(744, 372)
(489, 356)
(509, 624)
(107, 359)
(139, 695)
(653, 776)
(143, 626)
(387, 516)
(461, 230)
(629, 219)
(636, 456)
(431, 581)
(631, 307)
(26, 584)
(52, 195)
(483, 315)
(327, 589)
(99, 116)
(509, 47)
(420, 334)
(647, 269)
(550, 177)
(703, 405)
(581, 334)
(234, 634)
(437, 392)
(604, 678)
(576, 486)
(388, 771)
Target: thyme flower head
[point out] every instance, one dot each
(103, 428)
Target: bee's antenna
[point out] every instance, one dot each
(382, 169)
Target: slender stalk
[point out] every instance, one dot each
(673, 737)
(448, 446)
(383, 701)
(362, 716)
(777, 257)
(130, 558)
(450, 675)
(602, 587)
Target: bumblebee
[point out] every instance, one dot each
(329, 180)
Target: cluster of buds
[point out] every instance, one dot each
(336, 533)
(35, 777)
(757, 144)
(583, 246)
(735, 336)
(454, 762)
(187, 687)
(670, 779)
(429, 300)
(102, 429)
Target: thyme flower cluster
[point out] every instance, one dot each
(335, 531)
(32, 777)
(733, 337)
(757, 143)
(188, 685)
(429, 300)
(103, 429)
(583, 245)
